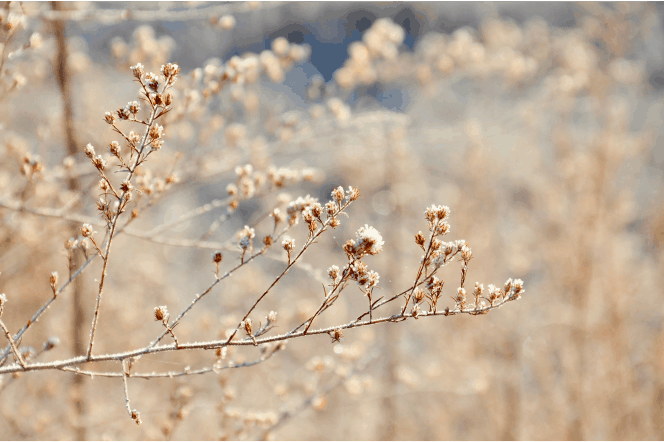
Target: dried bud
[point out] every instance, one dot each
(89, 151)
(268, 240)
(288, 244)
(138, 70)
(466, 253)
(277, 215)
(247, 326)
(333, 272)
(317, 210)
(272, 316)
(103, 184)
(337, 334)
(134, 107)
(217, 257)
(353, 193)
(169, 99)
(161, 313)
(420, 239)
(135, 415)
(54, 279)
(126, 186)
(338, 194)
(3, 300)
(418, 295)
(86, 230)
(109, 117)
(99, 162)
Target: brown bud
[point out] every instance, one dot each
(217, 257)
(247, 326)
(161, 313)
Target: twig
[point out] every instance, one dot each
(244, 342)
(12, 344)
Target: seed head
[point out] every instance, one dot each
(86, 230)
(217, 257)
(161, 313)
(288, 244)
(247, 326)
(54, 279)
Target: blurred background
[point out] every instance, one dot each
(538, 124)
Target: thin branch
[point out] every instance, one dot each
(135, 415)
(56, 365)
(170, 374)
(12, 344)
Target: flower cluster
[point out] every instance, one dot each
(368, 242)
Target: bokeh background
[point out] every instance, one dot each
(538, 124)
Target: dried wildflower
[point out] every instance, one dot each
(114, 148)
(466, 253)
(53, 279)
(277, 215)
(136, 416)
(170, 71)
(99, 162)
(161, 313)
(272, 316)
(334, 273)
(246, 235)
(372, 279)
(338, 194)
(86, 230)
(247, 325)
(418, 295)
(288, 244)
(231, 189)
(352, 193)
(156, 131)
(268, 240)
(369, 241)
(89, 151)
(138, 70)
(134, 107)
(217, 257)
(419, 239)
(337, 334)
(109, 117)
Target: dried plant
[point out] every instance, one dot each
(142, 245)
